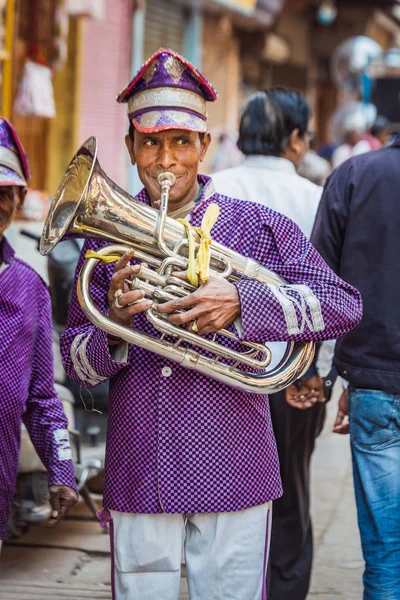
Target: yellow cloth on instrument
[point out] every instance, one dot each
(198, 270)
(105, 259)
(199, 265)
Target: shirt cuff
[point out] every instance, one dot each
(94, 360)
(63, 474)
(249, 326)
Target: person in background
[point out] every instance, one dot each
(314, 168)
(353, 129)
(227, 153)
(274, 137)
(326, 151)
(378, 137)
(27, 393)
(357, 232)
(380, 131)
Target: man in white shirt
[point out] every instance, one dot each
(268, 174)
(274, 137)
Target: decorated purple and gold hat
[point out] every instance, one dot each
(14, 167)
(168, 93)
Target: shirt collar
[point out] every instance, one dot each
(6, 254)
(273, 163)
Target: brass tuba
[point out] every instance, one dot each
(88, 204)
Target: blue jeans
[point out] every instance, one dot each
(375, 445)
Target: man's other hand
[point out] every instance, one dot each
(310, 392)
(62, 498)
(342, 424)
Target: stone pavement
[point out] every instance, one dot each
(72, 561)
(338, 562)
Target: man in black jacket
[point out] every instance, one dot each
(357, 231)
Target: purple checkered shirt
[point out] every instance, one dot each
(27, 391)
(179, 441)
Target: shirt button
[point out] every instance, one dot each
(166, 371)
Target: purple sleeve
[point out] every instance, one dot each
(314, 305)
(44, 416)
(84, 347)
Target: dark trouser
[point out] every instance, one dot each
(291, 542)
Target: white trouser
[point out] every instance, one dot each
(226, 554)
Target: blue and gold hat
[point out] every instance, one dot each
(168, 92)
(14, 166)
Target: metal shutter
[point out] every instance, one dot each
(164, 27)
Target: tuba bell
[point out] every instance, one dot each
(89, 204)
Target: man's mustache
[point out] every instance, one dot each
(156, 174)
(157, 203)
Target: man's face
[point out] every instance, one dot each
(176, 151)
(11, 197)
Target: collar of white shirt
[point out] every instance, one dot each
(274, 163)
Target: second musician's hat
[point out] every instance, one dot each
(168, 92)
(14, 167)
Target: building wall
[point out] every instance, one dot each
(64, 131)
(296, 30)
(221, 66)
(106, 54)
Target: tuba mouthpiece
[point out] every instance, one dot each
(166, 179)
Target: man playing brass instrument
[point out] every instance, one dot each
(190, 461)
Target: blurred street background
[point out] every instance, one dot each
(63, 62)
(93, 47)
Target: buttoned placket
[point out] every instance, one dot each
(163, 391)
(166, 382)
